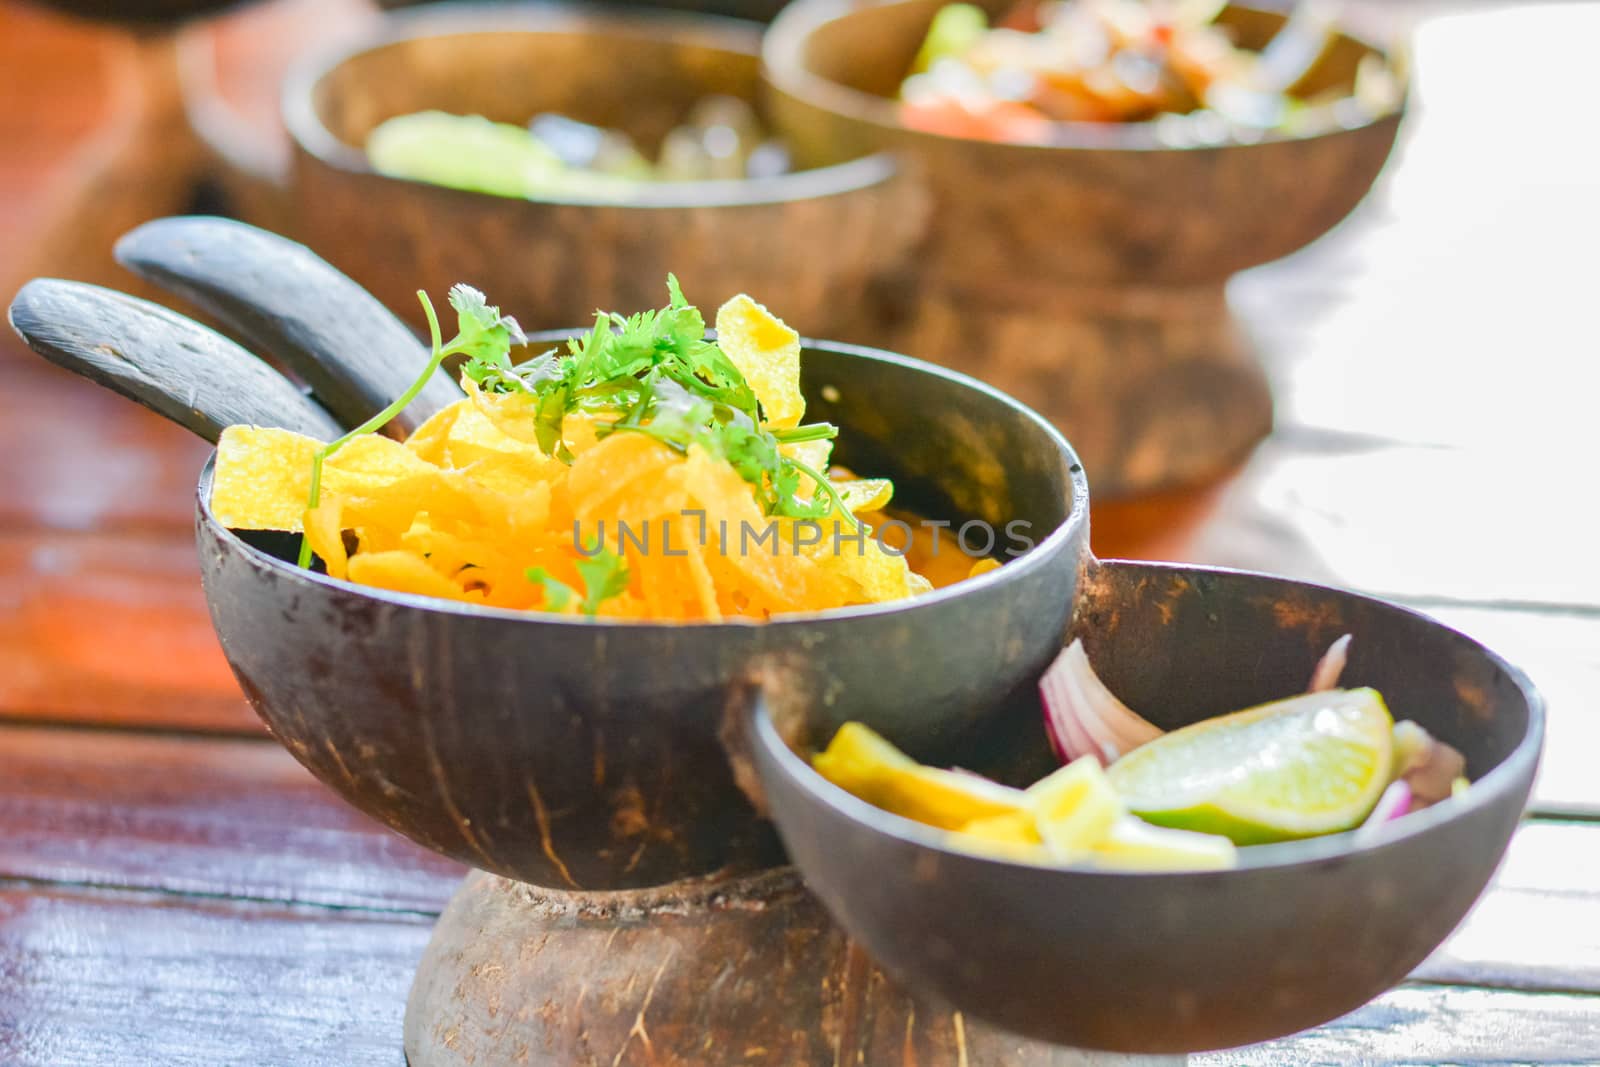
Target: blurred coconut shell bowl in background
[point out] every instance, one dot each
(1085, 275)
(816, 236)
(139, 11)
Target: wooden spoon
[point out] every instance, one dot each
(175, 367)
(288, 302)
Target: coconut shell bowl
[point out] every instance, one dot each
(140, 12)
(633, 794)
(818, 235)
(1085, 276)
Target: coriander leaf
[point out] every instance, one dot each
(654, 373)
(483, 334)
(438, 351)
(683, 321)
(551, 414)
(557, 594)
(604, 576)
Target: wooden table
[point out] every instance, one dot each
(174, 889)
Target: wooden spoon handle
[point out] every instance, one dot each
(175, 367)
(289, 303)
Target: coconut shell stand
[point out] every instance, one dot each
(744, 970)
(632, 794)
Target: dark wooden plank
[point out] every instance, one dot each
(240, 818)
(111, 629)
(213, 816)
(1428, 1024)
(95, 979)
(79, 457)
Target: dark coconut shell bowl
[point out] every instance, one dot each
(140, 11)
(757, 10)
(1085, 276)
(569, 753)
(1299, 934)
(817, 236)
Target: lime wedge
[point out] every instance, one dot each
(1313, 764)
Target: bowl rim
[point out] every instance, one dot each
(1518, 766)
(1020, 569)
(786, 72)
(309, 134)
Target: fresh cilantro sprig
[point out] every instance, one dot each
(657, 374)
(604, 576)
(482, 333)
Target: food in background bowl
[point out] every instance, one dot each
(820, 234)
(643, 473)
(1101, 61)
(721, 138)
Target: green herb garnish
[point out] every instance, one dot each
(482, 333)
(656, 373)
(659, 376)
(604, 576)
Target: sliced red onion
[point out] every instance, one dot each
(1427, 765)
(1067, 736)
(1330, 666)
(1082, 717)
(1395, 802)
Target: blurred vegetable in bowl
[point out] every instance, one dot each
(1116, 61)
(720, 139)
